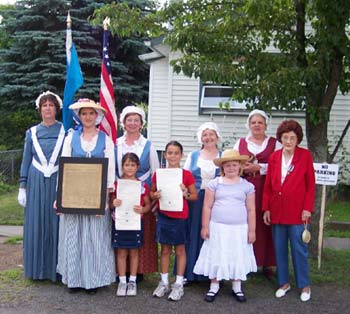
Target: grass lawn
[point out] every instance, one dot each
(10, 212)
(338, 211)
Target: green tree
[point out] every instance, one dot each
(35, 59)
(228, 42)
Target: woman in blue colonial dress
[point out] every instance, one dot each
(132, 119)
(37, 192)
(200, 163)
(85, 255)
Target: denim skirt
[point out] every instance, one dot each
(170, 231)
(127, 239)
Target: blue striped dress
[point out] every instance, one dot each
(85, 254)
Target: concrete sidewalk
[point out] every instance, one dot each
(333, 243)
(10, 231)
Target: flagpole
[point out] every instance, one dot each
(107, 99)
(74, 76)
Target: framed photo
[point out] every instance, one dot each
(82, 185)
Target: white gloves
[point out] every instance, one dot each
(22, 198)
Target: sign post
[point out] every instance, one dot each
(326, 174)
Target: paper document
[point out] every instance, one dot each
(168, 182)
(129, 192)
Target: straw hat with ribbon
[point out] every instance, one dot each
(88, 103)
(230, 155)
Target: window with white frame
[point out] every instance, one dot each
(219, 97)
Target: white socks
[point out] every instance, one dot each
(214, 287)
(236, 286)
(122, 279)
(164, 278)
(180, 280)
(132, 278)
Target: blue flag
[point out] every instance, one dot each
(74, 78)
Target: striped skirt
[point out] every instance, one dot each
(85, 254)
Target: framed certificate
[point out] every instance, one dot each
(82, 185)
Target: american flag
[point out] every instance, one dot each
(109, 123)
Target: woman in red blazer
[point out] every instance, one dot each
(288, 202)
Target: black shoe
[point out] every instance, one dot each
(91, 291)
(210, 296)
(239, 296)
(74, 290)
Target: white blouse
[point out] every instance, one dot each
(256, 149)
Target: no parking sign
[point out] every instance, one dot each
(326, 174)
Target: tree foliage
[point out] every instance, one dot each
(281, 54)
(34, 59)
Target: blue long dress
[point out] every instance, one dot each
(194, 222)
(40, 219)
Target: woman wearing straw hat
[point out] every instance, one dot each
(228, 227)
(132, 119)
(259, 147)
(37, 190)
(85, 255)
(200, 163)
(287, 204)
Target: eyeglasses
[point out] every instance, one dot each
(286, 138)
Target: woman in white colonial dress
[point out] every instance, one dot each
(85, 255)
(37, 192)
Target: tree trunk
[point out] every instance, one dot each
(318, 145)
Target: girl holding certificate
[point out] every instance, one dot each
(228, 227)
(172, 187)
(126, 238)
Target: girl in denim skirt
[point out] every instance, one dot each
(171, 226)
(128, 242)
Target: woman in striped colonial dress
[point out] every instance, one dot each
(85, 255)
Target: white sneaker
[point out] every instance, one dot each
(121, 291)
(305, 296)
(161, 290)
(131, 289)
(177, 291)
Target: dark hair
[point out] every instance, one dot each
(174, 143)
(50, 98)
(289, 126)
(132, 157)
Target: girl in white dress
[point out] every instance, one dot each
(228, 227)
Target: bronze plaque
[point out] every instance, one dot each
(82, 185)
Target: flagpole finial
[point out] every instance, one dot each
(106, 23)
(69, 20)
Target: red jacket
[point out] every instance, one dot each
(287, 201)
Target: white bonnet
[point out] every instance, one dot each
(132, 109)
(205, 126)
(255, 112)
(37, 101)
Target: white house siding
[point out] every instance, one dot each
(159, 104)
(174, 113)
